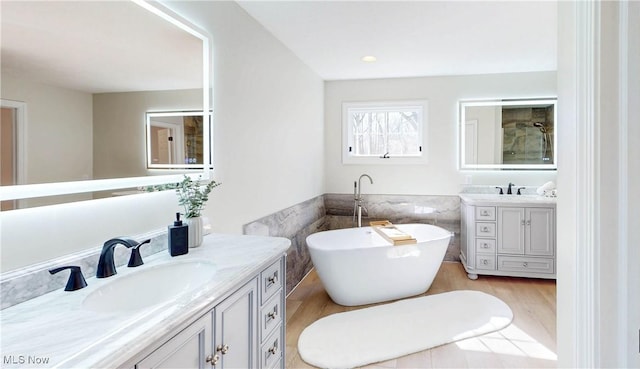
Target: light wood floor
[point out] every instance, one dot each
(529, 342)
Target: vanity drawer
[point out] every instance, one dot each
(524, 264)
(270, 281)
(486, 262)
(271, 350)
(485, 229)
(486, 245)
(485, 213)
(270, 315)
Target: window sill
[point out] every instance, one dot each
(375, 160)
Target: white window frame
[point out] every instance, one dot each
(347, 135)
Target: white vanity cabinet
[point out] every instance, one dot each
(244, 330)
(510, 238)
(185, 350)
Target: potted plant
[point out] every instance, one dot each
(193, 195)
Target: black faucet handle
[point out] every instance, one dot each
(136, 259)
(500, 188)
(519, 189)
(76, 279)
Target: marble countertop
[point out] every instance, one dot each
(55, 331)
(498, 200)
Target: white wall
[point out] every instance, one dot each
(34, 235)
(440, 176)
(632, 184)
(598, 317)
(119, 128)
(58, 130)
(268, 118)
(489, 131)
(268, 147)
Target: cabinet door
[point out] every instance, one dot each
(188, 349)
(511, 230)
(540, 231)
(236, 336)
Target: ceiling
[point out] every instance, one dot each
(413, 38)
(109, 46)
(97, 46)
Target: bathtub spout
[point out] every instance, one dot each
(359, 196)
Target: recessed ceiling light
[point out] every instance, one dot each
(369, 59)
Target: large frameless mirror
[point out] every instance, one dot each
(77, 80)
(508, 134)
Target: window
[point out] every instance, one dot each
(384, 132)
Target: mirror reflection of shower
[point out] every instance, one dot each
(528, 134)
(546, 140)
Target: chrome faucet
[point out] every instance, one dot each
(106, 264)
(357, 197)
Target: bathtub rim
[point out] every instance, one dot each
(443, 234)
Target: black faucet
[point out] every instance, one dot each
(509, 189)
(520, 189)
(76, 279)
(106, 264)
(136, 259)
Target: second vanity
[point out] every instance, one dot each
(234, 318)
(508, 235)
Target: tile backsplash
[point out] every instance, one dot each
(27, 283)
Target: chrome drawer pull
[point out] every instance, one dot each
(212, 359)
(485, 213)
(522, 222)
(485, 262)
(273, 350)
(222, 349)
(273, 314)
(273, 279)
(485, 245)
(525, 264)
(485, 229)
(529, 222)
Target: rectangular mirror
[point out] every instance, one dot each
(77, 107)
(175, 139)
(508, 134)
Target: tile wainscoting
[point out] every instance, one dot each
(335, 211)
(325, 212)
(295, 223)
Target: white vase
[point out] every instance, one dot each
(195, 231)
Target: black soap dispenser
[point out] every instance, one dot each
(178, 237)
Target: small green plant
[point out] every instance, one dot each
(192, 195)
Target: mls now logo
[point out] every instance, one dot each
(24, 359)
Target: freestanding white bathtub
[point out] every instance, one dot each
(357, 266)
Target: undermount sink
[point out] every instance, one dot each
(151, 286)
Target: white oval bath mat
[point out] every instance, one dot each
(384, 332)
